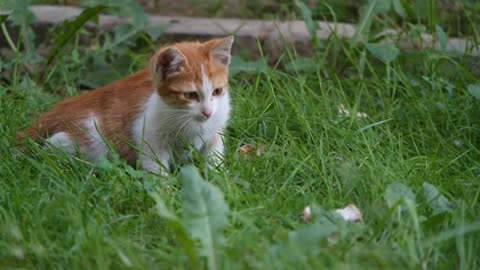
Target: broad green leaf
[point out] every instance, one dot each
(399, 9)
(382, 6)
(309, 238)
(312, 26)
(474, 90)
(415, 31)
(302, 64)
(239, 65)
(175, 224)
(75, 56)
(136, 174)
(435, 219)
(125, 8)
(435, 199)
(123, 34)
(104, 163)
(397, 191)
(98, 75)
(205, 214)
(407, 7)
(99, 72)
(20, 14)
(384, 52)
(154, 31)
(70, 28)
(366, 17)
(442, 37)
(325, 223)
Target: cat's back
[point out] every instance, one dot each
(126, 91)
(117, 101)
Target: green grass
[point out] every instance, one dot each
(412, 167)
(58, 211)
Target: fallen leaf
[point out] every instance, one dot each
(361, 115)
(247, 148)
(307, 214)
(250, 149)
(342, 110)
(474, 90)
(399, 193)
(350, 213)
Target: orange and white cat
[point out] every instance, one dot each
(151, 116)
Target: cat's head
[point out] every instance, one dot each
(193, 76)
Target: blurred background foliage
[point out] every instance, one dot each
(94, 58)
(456, 16)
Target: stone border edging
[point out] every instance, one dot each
(271, 33)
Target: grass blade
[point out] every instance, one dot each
(312, 26)
(384, 52)
(70, 28)
(3, 18)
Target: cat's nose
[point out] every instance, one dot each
(207, 113)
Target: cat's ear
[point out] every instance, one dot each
(220, 49)
(167, 62)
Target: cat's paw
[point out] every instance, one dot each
(155, 167)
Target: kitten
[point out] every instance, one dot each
(153, 115)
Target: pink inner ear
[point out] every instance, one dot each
(224, 59)
(222, 52)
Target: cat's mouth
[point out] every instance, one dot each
(201, 118)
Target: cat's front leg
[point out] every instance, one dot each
(157, 163)
(214, 151)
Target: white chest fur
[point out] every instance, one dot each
(161, 131)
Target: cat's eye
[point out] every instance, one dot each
(217, 91)
(190, 95)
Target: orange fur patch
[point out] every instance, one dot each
(190, 79)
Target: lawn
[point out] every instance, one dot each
(399, 138)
